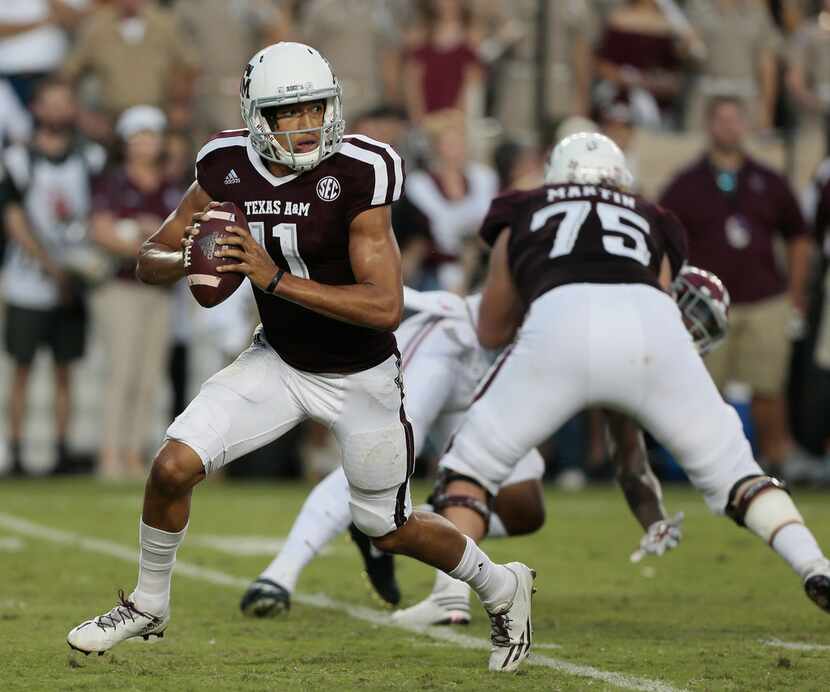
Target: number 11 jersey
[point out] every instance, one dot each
(569, 233)
(303, 222)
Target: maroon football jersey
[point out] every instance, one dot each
(303, 221)
(568, 233)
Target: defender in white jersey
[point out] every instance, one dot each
(575, 283)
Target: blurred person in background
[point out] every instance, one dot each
(642, 49)
(135, 54)
(813, 419)
(15, 121)
(808, 74)
(442, 69)
(240, 27)
(129, 204)
(368, 55)
(48, 185)
(519, 165)
(510, 48)
(34, 41)
(742, 46)
(452, 194)
(735, 209)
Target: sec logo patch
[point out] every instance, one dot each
(328, 189)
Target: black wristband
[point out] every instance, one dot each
(270, 288)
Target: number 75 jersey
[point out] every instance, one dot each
(568, 233)
(303, 222)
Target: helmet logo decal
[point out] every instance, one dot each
(245, 85)
(328, 188)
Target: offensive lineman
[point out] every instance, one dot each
(575, 281)
(325, 267)
(443, 364)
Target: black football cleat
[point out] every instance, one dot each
(380, 568)
(265, 599)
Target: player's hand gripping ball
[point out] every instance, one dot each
(201, 258)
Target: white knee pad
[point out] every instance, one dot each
(379, 512)
(764, 507)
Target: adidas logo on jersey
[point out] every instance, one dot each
(232, 178)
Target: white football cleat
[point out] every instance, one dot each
(511, 631)
(436, 609)
(122, 622)
(817, 583)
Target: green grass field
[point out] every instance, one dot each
(701, 618)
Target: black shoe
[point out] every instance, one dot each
(16, 459)
(64, 464)
(818, 590)
(265, 599)
(380, 567)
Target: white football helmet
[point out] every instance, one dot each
(286, 73)
(588, 158)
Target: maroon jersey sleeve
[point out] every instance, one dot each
(501, 215)
(378, 177)
(211, 162)
(677, 245)
(497, 219)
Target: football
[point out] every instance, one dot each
(208, 286)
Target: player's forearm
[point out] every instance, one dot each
(642, 493)
(365, 305)
(159, 264)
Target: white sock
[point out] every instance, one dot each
(494, 584)
(324, 515)
(155, 568)
(496, 529)
(797, 545)
(450, 593)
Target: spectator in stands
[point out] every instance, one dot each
(734, 208)
(368, 56)
(34, 41)
(808, 76)
(511, 46)
(15, 121)
(48, 196)
(129, 204)
(742, 46)
(135, 53)
(241, 28)
(442, 69)
(519, 166)
(452, 195)
(642, 50)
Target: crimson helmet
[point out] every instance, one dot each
(704, 303)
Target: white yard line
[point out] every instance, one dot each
(621, 680)
(795, 646)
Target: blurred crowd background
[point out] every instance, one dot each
(722, 107)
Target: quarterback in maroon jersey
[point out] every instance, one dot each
(321, 256)
(578, 283)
